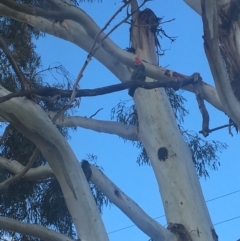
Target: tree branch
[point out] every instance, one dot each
(17, 70)
(88, 59)
(34, 230)
(110, 127)
(113, 58)
(51, 91)
(148, 225)
(221, 127)
(33, 174)
(200, 99)
(214, 39)
(9, 181)
(126, 204)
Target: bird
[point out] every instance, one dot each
(138, 74)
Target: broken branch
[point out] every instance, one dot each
(201, 104)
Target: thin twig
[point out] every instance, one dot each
(108, 23)
(121, 22)
(48, 69)
(168, 21)
(146, 25)
(218, 128)
(95, 113)
(33, 158)
(50, 100)
(89, 57)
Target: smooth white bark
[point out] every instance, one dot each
(176, 176)
(148, 225)
(178, 183)
(127, 132)
(30, 119)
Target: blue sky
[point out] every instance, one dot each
(185, 55)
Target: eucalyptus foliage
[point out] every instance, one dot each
(205, 152)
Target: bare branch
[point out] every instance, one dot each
(106, 25)
(121, 200)
(89, 56)
(123, 21)
(21, 174)
(125, 203)
(200, 99)
(148, 225)
(95, 113)
(34, 230)
(114, 58)
(219, 128)
(110, 127)
(19, 73)
(51, 91)
(34, 174)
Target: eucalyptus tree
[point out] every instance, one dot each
(155, 126)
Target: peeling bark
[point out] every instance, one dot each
(214, 40)
(229, 37)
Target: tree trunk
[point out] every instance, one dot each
(177, 179)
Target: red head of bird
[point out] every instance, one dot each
(137, 61)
